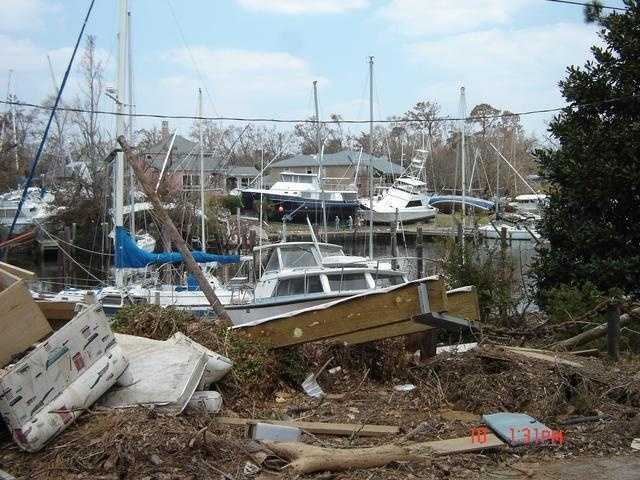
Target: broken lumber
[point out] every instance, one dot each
(361, 312)
(308, 458)
(551, 357)
(323, 428)
(594, 333)
(18, 272)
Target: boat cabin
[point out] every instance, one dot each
(304, 268)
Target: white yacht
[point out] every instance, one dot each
(301, 195)
(297, 275)
(36, 207)
(408, 196)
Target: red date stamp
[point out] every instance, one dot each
(527, 436)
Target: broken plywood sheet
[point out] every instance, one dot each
(341, 317)
(164, 375)
(21, 322)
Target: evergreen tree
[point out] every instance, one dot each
(592, 221)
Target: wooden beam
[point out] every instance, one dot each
(57, 311)
(463, 302)
(18, 272)
(398, 329)
(550, 357)
(349, 315)
(323, 428)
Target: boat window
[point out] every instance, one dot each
(414, 203)
(290, 286)
(270, 261)
(331, 251)
(348, 281)
(298, 286)
(313, 284)
(297, 256)
(387, 279)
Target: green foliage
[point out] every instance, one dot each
(491, 270)
(592, 222)
(566, 302)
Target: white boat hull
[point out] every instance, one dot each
(513, 233)
(405, 215)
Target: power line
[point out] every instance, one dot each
(583, 4)
(307, 120)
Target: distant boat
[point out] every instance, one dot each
(516, 231)
(35, 209)
(300, 195)
(408, 196)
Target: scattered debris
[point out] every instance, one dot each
(635, 444)
(273, 433)
(207, 401)
(50, 387)
(407, 387)
(518, 429)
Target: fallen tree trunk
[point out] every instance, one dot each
(308, 458)
(175, 236)
(594, 333)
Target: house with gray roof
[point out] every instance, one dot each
(340, 169)
(183, 165)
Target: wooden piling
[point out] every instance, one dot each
(613, 332)
(419, 251)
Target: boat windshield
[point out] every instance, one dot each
(298, 256)
(331, 251)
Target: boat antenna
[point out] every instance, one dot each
(370, 157)
(320, 148)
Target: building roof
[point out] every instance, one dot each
(340, 159)
(240, 171)
(185, 155)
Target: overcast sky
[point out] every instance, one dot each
(260, 57)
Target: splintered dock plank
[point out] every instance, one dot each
(367, 311)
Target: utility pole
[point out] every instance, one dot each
(320, 152)
(371, 158)
(132, 177)
(203, 239)
(118, 171)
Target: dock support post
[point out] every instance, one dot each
(394, 242)
(419, 251)
(613, 332)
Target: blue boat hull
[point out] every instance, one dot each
(299, 208)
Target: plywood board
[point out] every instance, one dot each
(463, 302)
(17, 271)
(378, 333)
(57, 311)
(465, 444)
(21, 322)
(353, 314)
(323, 428)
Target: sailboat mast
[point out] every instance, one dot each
(463, 151)
(132, 197)
(118, 171)
(202, 231)
(320, 152)
(371, 157)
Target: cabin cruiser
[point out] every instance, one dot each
(407, 196)
(301, 195)
(36, 207)
(298, 275)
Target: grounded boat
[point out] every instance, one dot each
(297, 275)
(407, 199)
(300, 195)
(530, 203)
(517, 231)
